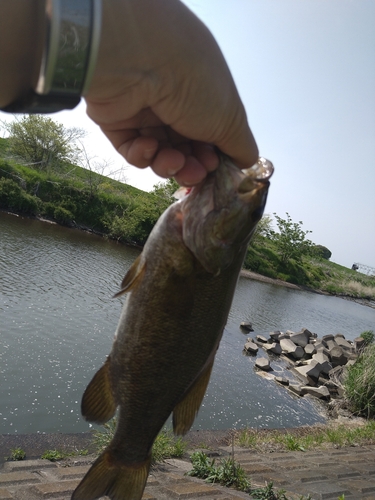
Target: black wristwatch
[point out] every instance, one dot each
(71, 49)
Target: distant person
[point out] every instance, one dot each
(160, 90)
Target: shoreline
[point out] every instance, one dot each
(245, 273)
(34, 445)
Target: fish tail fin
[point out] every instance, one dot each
(111, 477)
(98, 402)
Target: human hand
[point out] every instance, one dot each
(162, 92)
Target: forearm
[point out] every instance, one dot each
(22, 34)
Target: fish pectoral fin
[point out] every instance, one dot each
(133, 276)
(98, 402)
(108, 476)
(186, 410)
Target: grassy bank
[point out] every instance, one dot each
(78, 197)
(312, 272)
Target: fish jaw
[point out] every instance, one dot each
(221, 214)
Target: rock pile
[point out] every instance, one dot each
(317, 362)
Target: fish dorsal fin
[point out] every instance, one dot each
(98, 401)
(186, 410)
(133, 276)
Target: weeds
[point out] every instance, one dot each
(227, 473)
(307, 438)
(17, 454)
(359, 384)
(55, 455)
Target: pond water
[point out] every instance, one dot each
(57, 321)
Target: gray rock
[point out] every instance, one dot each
(310, 371)
(261, 338)
(310, 349)
(323, 360)
(263, 364)
(345, 344)
(331, 344)
(289, 332)
(282, 380)
(359, 343)
(319, 392)
(275, 335)
(291, 348)
(338, 357)
(299, 339)
(246, 326)
(275, 348)
(339, 336)
(327, 337)
(295, 388)
(308, 333)
(284, 336)
(251, 347)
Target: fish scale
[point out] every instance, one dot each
(179, 293)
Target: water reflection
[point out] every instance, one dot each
(57, 321)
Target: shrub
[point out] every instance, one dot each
(63, 216)
(359, 384)
(368, 336)
(12, 196)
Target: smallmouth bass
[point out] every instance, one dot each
(180, 290)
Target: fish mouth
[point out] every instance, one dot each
(260, 173)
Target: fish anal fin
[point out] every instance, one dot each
(186, 410)
(132, 277)
(108, 476)
(98, 401)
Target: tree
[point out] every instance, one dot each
(291, 239)
(166, 189)
(263, 228)
(40, 141)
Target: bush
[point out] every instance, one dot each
(368, 336)
(63, 216)
(13, 197)
(359, 384)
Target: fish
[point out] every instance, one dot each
(179, 293)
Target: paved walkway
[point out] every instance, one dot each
(323, 474)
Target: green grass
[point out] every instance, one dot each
(359, 384)
(307, 438)
(16, 454)
(55, 455)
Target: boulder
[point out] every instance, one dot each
(338, 357)
(300, 339)
(261, 338)
(308, 333)
(359, 344)
(248, 327)
(309, 349)
(275, 335)
(282, 380)
(323, 360)
(291, 348)
(310, 372)
(319, 392)
(331, 344)
(345, 344)
(263, 364)
(251, 347)
(284, 335)
(339, 336)
(275, 348)
(325, 338)
(295, 388)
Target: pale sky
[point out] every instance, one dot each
(305, 70)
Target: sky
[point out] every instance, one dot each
(305, 70)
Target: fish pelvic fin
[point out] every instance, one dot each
(98, 401)
(133, 276)
(111, 477)
(186, 410)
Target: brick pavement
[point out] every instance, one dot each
(323, 474)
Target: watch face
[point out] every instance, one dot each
(34, 103)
